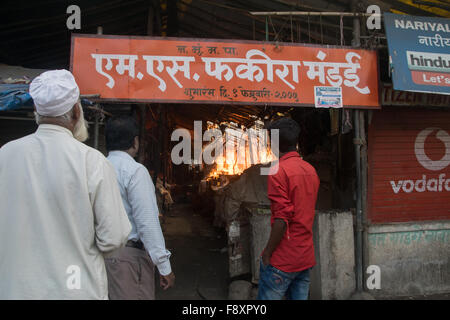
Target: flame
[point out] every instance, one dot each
(227, 165)
(240, 152)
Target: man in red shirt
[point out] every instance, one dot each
(292, 190)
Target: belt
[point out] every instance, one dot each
(135, 244)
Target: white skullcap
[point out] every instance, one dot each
(54, 92)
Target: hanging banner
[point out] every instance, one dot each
(176, 70)
(419, 48)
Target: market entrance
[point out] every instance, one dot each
(202, 205)
(233, 87)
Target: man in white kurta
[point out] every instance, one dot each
(60, 206)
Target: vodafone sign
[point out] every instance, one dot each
(437, 184)
(409, 166)
(419, 149)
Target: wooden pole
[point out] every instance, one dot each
(359, 186)
(364, 187)
(96, 123)
(143, 142)
(142, 134)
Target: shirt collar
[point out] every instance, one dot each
(289, 154)
(120, 154)
(53, 127)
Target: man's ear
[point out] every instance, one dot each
(76, 112)
(136, 143)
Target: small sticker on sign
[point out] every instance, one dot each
(328, 97)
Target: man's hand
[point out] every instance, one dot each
(276, 234)
(167, 281)
(265, 258)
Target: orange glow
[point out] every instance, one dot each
(228, 164)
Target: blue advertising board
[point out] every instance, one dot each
(420, 51)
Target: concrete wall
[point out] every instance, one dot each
(260, 233)
(414, 258)
(333, 277)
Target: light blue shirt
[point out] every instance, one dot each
(139, 199)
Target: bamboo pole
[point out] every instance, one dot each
(96, 125)
(314, 13)
(356, 41)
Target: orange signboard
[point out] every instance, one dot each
(148, 69)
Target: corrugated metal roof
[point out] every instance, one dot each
(34, 34)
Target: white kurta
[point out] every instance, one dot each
(60, 210)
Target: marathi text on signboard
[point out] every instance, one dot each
(419, 48)
(213, 71)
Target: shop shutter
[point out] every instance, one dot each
(402, 185)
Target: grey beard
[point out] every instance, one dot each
(80, 131)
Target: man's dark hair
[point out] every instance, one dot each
(289, 132)
(120, 133)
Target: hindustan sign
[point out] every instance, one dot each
(429, 68)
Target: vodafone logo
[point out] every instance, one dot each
(438, 183)
(419, 149)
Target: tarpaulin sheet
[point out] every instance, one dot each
(14, 96)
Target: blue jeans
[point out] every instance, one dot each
(274, 284)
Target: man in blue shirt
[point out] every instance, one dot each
(131, 269)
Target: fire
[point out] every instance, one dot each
(239, 155)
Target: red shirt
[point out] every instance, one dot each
(293, 193)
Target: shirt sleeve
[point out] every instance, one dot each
(142, 198)
(112, 226)
(278, 193)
